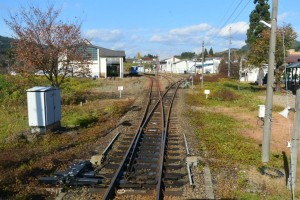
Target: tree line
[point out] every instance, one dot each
(193, 55)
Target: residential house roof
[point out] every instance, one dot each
(293, 56)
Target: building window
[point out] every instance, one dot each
(92, 51)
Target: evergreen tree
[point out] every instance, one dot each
(261, 12)
(255, 32)
(205, 53)
(211, 53)
(187, 55)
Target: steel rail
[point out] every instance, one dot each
(110, 192)
(131, 160)
(124, 166)
(163, 146)
(108, 147)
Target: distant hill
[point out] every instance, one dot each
(4, 46)
(245, 48)
(5, 43)
(296, 45)
(225, 53)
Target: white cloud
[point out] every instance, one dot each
(118, 46)
(156, 38)
(169, 42)
(236, 28)
(238, 43)
(99, 35)
(189, 35)
(190, 29)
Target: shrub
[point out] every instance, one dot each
(225, 94)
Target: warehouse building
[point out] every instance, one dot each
(106, 62)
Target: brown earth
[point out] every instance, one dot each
(281, 128)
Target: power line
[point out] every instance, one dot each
(232, 13)
(219, 25)
(241, 11)
(218, 35)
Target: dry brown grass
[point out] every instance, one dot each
(266, 185)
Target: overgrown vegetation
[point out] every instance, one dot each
(229, 152)
(24, 157)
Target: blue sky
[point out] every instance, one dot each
(159, 27)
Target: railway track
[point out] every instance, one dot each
(150, 160)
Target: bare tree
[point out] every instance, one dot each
(43, 42)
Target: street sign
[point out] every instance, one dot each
(120, 88)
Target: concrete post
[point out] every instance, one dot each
(202, 74)
(294, 147)
(269, 93)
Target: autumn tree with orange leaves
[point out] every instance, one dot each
(259, 50)
(43, 42)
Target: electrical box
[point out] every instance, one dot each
(44, 107)
(261, 111)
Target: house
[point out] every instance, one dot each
(293, 72)
(176, 65)
(293, 56)
(106, 62)
(183, 66)
(252, 74)
(166, 65)
(211, 66)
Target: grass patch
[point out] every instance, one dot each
(82, 107)
(229, 93)
(229, 153)
(220, 134)
(13, 112)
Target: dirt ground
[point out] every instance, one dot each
(281, 127)
(281, 134)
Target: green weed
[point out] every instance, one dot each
(221, 136)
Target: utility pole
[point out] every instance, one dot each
(240, 71)
(195, 70)
(202, 76)
(157, 64)
(229, 52)
(269, 93)
(294, 147)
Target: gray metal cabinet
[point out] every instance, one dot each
(44, 107)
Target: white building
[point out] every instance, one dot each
(211, 66)
(184, 66)
(166, 65)
(176, 65)
(106, 62)
(252, 74)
